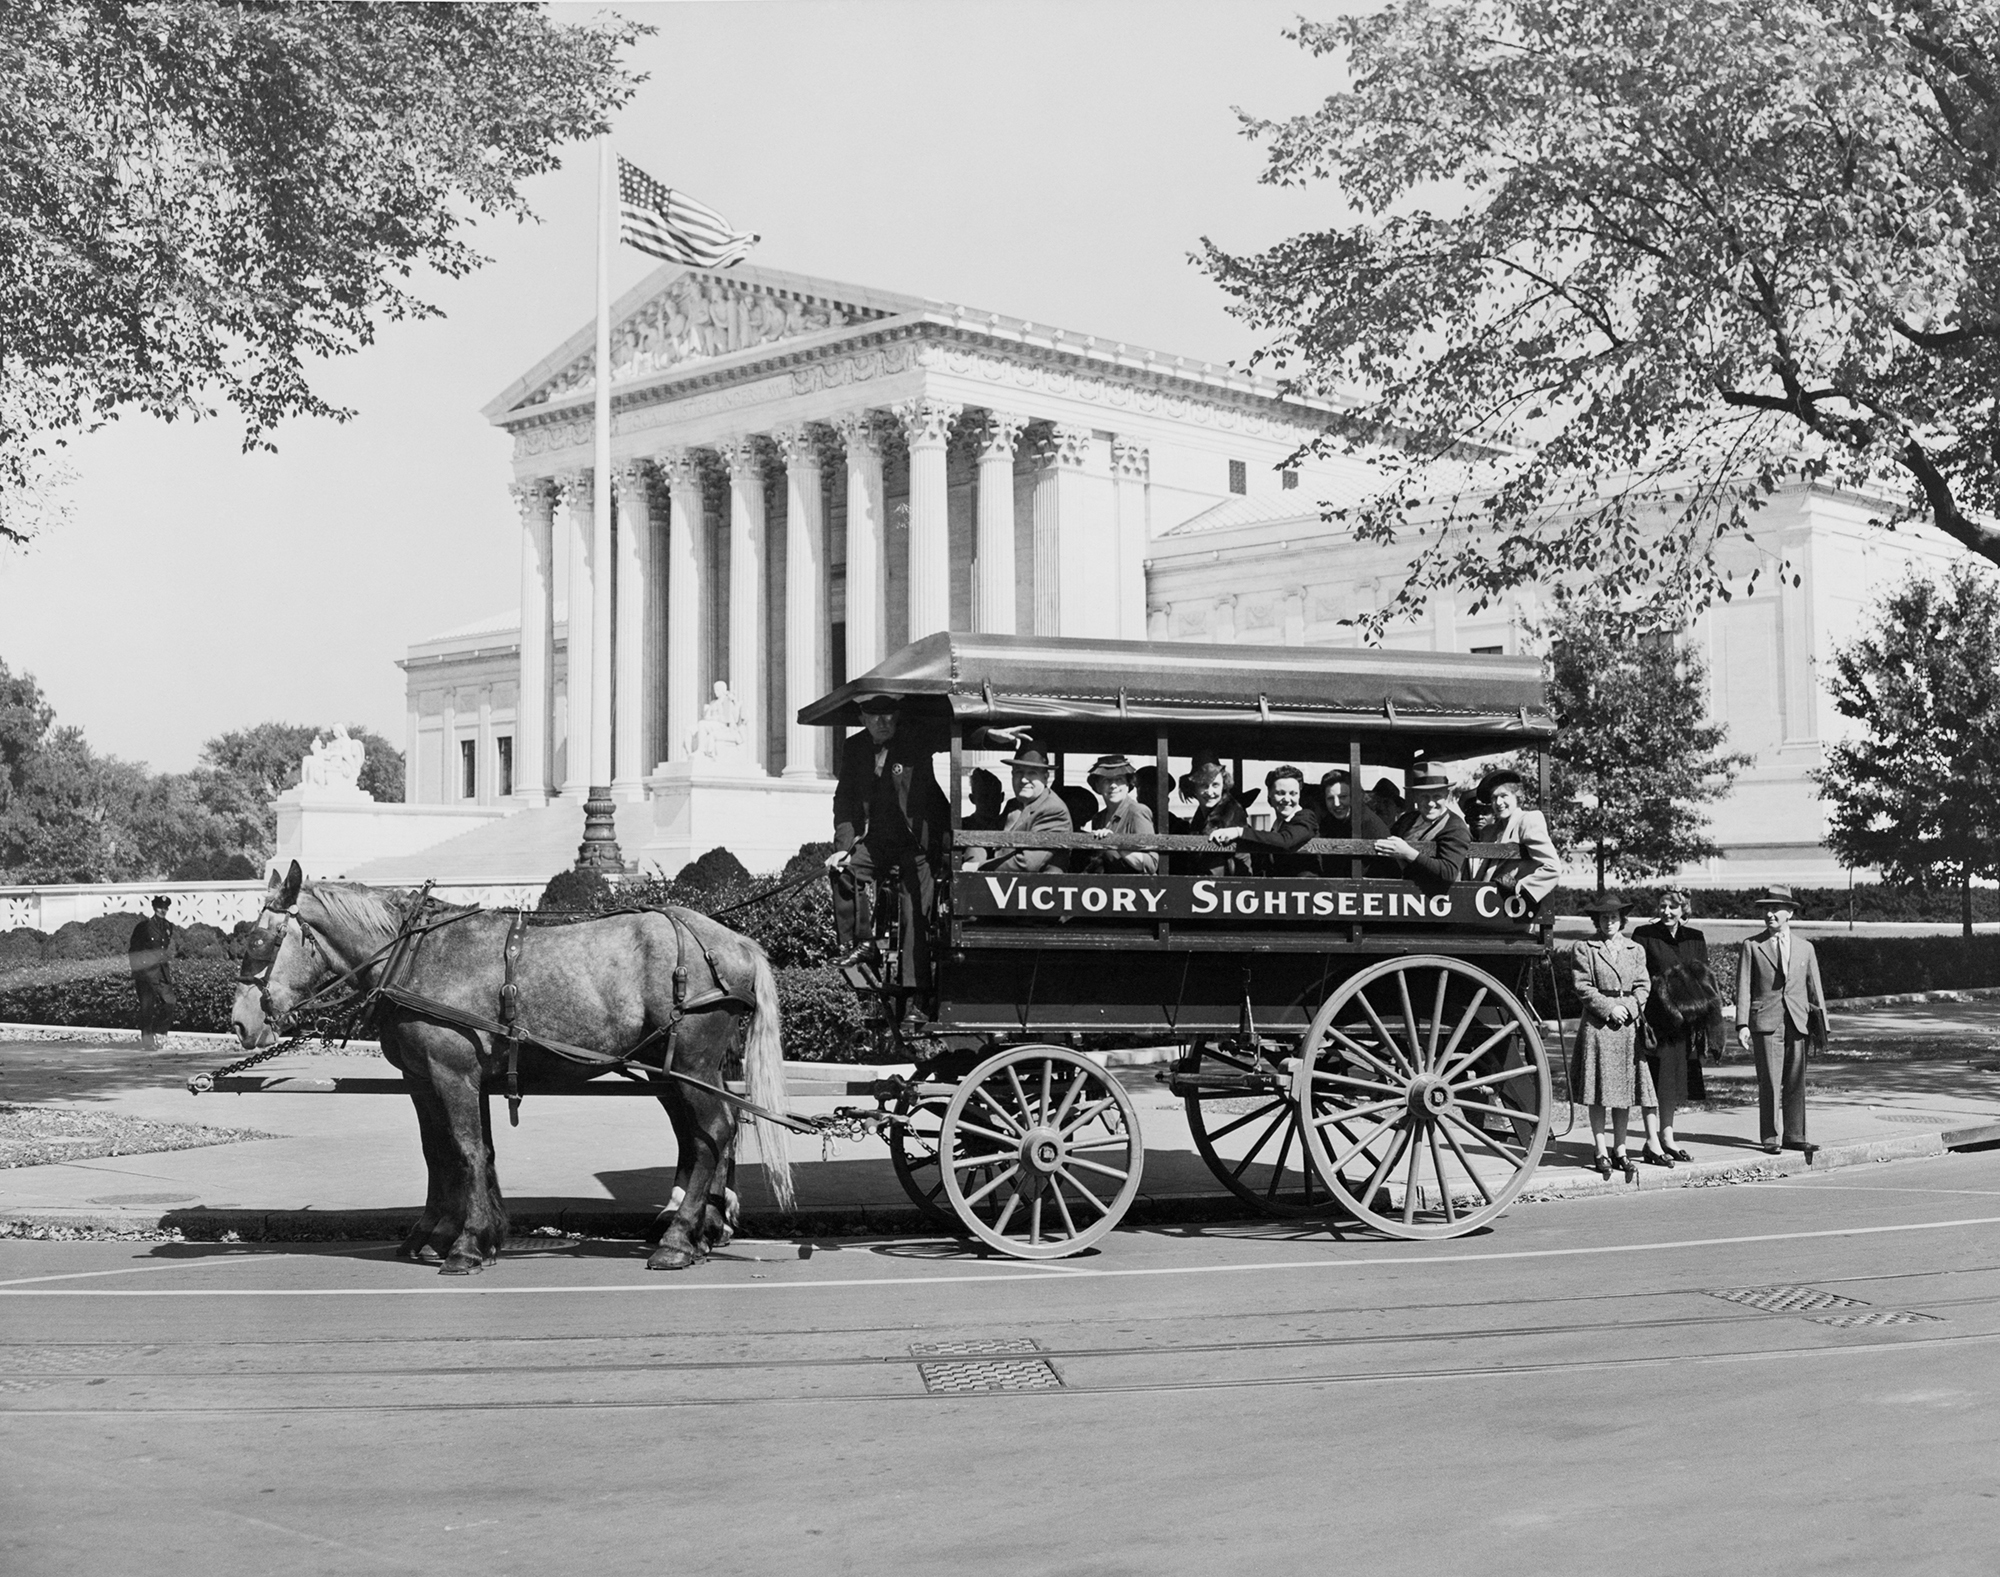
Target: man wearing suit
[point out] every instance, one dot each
(150, 956)
(1341, 815)
(1035, 808)
(890, 819)
(1780, 1013)
(1430, 819)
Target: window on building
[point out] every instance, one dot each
(1288, 479)
(1239, 477)
(506, 744)
(1489, 651)
(837, 656)
(468, 769)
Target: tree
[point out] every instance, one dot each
(1914, 792)
(1704, 247)
(266, 757)
(198, 198)
(1634, 761)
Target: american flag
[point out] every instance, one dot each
(672, 225)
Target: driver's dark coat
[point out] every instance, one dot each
(151, 949)
(902, 810)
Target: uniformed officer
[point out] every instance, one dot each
(150, 955)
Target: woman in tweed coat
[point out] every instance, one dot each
(1608, 975)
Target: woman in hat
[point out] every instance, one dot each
(1607, 972)
(1123, 816)
(1293, 827)
(1684, 1011)
(1214, 806)
(1534, 872)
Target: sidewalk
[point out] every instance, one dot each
(349, 1166)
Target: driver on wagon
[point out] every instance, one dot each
(890, 820)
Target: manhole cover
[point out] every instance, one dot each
(964, 1368)
(1875, 1317)
(143, 1199)
(1786, 1300)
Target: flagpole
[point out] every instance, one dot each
(599, 849)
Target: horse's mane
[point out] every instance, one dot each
(351, 911)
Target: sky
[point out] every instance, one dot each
(1053, 159)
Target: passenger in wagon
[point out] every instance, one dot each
(1276, 847)
(1035, 808)
(890, 821)
(1123, 816)
(1534, 872)
(1214, 806)
(987, 802)
(1342, 816)
(1430, 819)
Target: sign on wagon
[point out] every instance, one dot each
(1335, 901)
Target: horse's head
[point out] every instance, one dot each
(280, 968)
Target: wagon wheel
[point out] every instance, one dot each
(1424, 1091)
(1043, 1151)
(1247, 1130)
(913, 1151)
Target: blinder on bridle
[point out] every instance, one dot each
(261, 956)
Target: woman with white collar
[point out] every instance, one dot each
(1608, 976)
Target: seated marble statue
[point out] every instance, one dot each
(720, 733)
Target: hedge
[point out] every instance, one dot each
(108, 936)
(97, 994)
(1872, 902)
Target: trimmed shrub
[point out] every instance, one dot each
(105, 937)
(98, 994)
(822, 1017)
(717, 871)
(21, 947)
(201, 941)
(1867, 966)
(576, 892)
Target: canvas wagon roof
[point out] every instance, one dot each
(1130, 686)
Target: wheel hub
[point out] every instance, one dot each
(1042, 1150)
(1429, 1096)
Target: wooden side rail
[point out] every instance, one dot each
(1184, 843)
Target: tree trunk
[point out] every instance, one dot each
(1600, 870)
(1965, 896)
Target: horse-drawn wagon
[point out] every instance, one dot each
(1342, 1040)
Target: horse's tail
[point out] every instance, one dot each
(764, 1077)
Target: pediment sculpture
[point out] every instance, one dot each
(697, 319)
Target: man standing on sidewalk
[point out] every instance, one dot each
(150, 955)
(1780, 1015)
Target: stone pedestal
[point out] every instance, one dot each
(331, 829)
(701, 804)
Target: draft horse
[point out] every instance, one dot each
(605, 985)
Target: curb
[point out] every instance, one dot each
(874, 1220)
(1859, 1004)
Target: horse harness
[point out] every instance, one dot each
(510, 1028)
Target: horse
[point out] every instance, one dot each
(603, 985)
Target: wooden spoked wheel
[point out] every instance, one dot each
(1422, 1089)
(1041, 1152)
(1246, 1125)
(913, 1152)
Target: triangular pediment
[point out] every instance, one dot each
(678, 318)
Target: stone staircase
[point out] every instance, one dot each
(528, 846)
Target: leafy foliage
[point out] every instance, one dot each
(198, 199)
(1613, 271)
(1916, 793)
(1633, 762)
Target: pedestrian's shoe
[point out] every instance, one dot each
(1654, 1157)
(1771, 1149)
(1624, 1164)
(1678, 1153)
(866, 953)
(1810, 1150)
(1603, 1165)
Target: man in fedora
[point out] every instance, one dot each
(149, 955)
(1429, 819)
(890, 820)
(1111, 778)
(1780, 1014)
(1034, 809)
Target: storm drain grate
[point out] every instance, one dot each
(1875, 1317)
(985, 1364)
(1786, 1300)
(1918, 1119)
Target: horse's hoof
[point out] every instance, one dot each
(462, 1265)
(672, 1259)
(423, 1254)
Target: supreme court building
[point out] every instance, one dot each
(809, 474)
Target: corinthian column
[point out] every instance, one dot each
(805, 598)
(635, 563)
(577, 765)
(749, 618)
(687, 582)
(536, 502)
(927, 424)
(993, 543)
(866, 614)
(1129, 464)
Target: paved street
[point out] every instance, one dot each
(1564, 1394)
